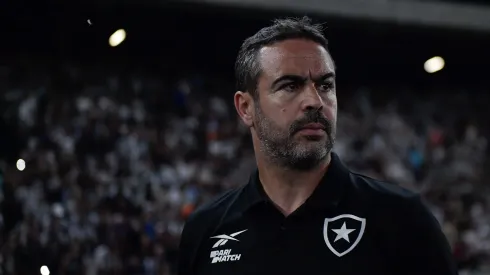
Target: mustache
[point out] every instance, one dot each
(313, 116)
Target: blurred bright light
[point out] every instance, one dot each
(44, 270)
(117, 38)
(58, 210)
(434, 64)
(21, 165)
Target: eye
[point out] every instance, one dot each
(290, 87)
(325, 87)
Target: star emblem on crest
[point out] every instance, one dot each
(343, 233)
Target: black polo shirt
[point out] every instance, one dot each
(351, 224)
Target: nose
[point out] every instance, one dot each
(311, 99)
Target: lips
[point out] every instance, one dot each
(313, 126)
(312, 129)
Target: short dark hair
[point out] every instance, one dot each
(247, 66)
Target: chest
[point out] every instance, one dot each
(334, 244)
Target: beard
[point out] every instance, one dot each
(283, 150)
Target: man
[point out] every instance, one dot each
(302, 211)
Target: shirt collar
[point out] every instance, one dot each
(327, 194)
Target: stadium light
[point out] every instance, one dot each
(44, 270)
(117, 38)
(21, 165)
(434, 64)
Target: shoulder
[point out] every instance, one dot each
(399, 212)
(389, 198)
(411, 232)
(210, 212)
(200, 224)
(379, 187)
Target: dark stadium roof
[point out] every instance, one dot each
(208, 39)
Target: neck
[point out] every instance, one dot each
(289, 189)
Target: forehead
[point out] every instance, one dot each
(295, 56)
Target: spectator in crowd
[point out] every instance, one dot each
(113, 169)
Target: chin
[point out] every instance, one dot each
(312, 151)
(306, 162)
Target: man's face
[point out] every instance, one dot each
(296, 109)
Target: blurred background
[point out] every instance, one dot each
(116, 120)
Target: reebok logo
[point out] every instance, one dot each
(225, 255)
(223, 239)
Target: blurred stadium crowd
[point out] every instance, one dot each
(113, 169)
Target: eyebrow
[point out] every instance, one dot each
(297, 78)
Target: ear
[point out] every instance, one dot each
(244, 107)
